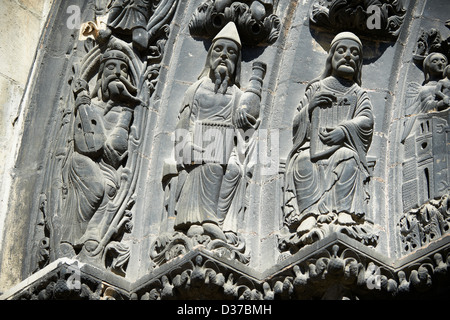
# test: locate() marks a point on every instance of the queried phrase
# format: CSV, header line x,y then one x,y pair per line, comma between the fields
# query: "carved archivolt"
x,y
87,202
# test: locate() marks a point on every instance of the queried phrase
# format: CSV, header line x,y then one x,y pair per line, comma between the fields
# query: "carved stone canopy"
x,y
431,41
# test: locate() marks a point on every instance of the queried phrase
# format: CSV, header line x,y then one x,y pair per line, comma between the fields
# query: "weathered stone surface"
x,y
169,153
21,25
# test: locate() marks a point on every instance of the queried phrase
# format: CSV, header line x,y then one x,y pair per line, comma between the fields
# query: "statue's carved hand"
x,y
112,156
332,136
321,98
188,156
447,101
119,92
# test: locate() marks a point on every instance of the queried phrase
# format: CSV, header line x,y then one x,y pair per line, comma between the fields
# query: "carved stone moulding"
x,y
383,18
255,20
333,268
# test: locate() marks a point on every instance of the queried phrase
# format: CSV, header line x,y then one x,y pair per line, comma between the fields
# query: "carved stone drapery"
x,y
96,164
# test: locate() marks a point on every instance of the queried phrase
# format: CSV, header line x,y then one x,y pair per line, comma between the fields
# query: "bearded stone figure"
x,y
209,189
94,169
327,172
428,97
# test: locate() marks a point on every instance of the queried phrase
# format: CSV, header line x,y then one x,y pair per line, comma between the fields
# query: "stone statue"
x,y
213,102
214,138
327,172
94,169
89,189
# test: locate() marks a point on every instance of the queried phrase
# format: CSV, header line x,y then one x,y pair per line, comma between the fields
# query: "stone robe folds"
x,y
336,182
126,15
209,192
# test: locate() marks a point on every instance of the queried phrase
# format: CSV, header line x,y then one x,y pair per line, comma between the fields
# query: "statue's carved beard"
x,y
221,75
118,89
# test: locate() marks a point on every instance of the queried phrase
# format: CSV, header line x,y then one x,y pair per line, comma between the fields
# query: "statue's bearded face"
x,y
114,70
223,59
115,81
346,59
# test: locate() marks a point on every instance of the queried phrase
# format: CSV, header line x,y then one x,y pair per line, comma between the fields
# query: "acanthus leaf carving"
x,y
89,212
255,20
425,224
357,16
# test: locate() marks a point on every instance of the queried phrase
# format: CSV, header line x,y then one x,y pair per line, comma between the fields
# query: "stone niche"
x,y
220,149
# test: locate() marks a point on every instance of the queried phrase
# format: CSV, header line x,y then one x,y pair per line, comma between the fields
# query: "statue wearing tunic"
x,y
327,171
94,168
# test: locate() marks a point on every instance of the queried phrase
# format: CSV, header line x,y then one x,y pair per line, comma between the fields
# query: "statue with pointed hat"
x,y
212,106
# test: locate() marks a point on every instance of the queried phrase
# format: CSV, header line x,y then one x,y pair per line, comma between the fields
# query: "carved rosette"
x,y
255,20
380,18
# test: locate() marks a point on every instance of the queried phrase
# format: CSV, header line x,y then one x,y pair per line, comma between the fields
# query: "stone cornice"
x,y
336,267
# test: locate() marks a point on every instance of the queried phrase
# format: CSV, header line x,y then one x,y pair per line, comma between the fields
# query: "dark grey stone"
x,y
111,203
